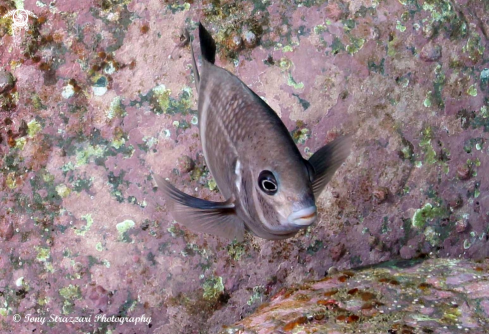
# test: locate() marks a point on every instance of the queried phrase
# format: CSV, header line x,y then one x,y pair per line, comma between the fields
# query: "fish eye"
x,y
267,182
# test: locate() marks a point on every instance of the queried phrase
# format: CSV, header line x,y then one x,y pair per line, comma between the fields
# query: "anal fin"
x,y
217,218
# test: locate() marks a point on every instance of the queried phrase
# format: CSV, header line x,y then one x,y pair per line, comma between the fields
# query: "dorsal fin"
x,y
194,63
207,45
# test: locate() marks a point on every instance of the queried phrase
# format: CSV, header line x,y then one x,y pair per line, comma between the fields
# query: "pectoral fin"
x,y
326,161
217,218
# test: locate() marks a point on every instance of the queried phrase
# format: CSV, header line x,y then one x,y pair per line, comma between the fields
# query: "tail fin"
x,y
207,45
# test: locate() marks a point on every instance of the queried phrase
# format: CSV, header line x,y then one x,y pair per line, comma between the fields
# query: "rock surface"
x,y
435,296
6,81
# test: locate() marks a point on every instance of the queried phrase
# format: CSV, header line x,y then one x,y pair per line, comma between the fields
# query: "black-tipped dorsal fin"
x,y
207,45
217,218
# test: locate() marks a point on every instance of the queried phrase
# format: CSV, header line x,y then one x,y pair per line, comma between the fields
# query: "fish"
x,y
269,189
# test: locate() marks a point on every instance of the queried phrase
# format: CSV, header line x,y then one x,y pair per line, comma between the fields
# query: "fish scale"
x,y
269,188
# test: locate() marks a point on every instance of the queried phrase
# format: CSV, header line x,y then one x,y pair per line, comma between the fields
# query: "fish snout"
x,y
303,217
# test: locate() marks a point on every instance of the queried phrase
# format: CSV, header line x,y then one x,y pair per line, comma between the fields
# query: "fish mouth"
x,y
304,217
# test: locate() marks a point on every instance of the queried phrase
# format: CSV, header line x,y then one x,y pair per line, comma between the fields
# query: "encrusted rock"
x,y
98,296
407,252
454,201
386,299
6,229
430,52
249,39
185,164
337,10
234,42
332,271
337,251
7,81
375,33
381,194
463,172
461,225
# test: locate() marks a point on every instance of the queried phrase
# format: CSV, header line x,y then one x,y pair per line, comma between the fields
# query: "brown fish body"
x,y
269,188
239,128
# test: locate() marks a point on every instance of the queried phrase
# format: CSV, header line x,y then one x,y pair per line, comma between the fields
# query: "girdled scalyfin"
x,y
270,189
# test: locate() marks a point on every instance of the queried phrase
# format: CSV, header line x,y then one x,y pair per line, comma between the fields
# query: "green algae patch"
x,y
484,112
427,101
116,108
337,46
291,82
256,295
212,184
84,229
481,119
19,4
162,96
391,46
118,143
426,214
430,155
149,142
407,153
47,177
472,91
62,190
123,227
400,26
162,103
49,267
213,287
425,144
33,128
285,63
7,22
70,292
11,180
434,98
445,17
99,247
355,45
84,156
236,250
176,7
287,48
43,254
43,301
20,143
474,47
451,315
300,136
319,29
432,236
37,102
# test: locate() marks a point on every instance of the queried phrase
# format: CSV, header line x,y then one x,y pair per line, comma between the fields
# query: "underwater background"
x,y
95,95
